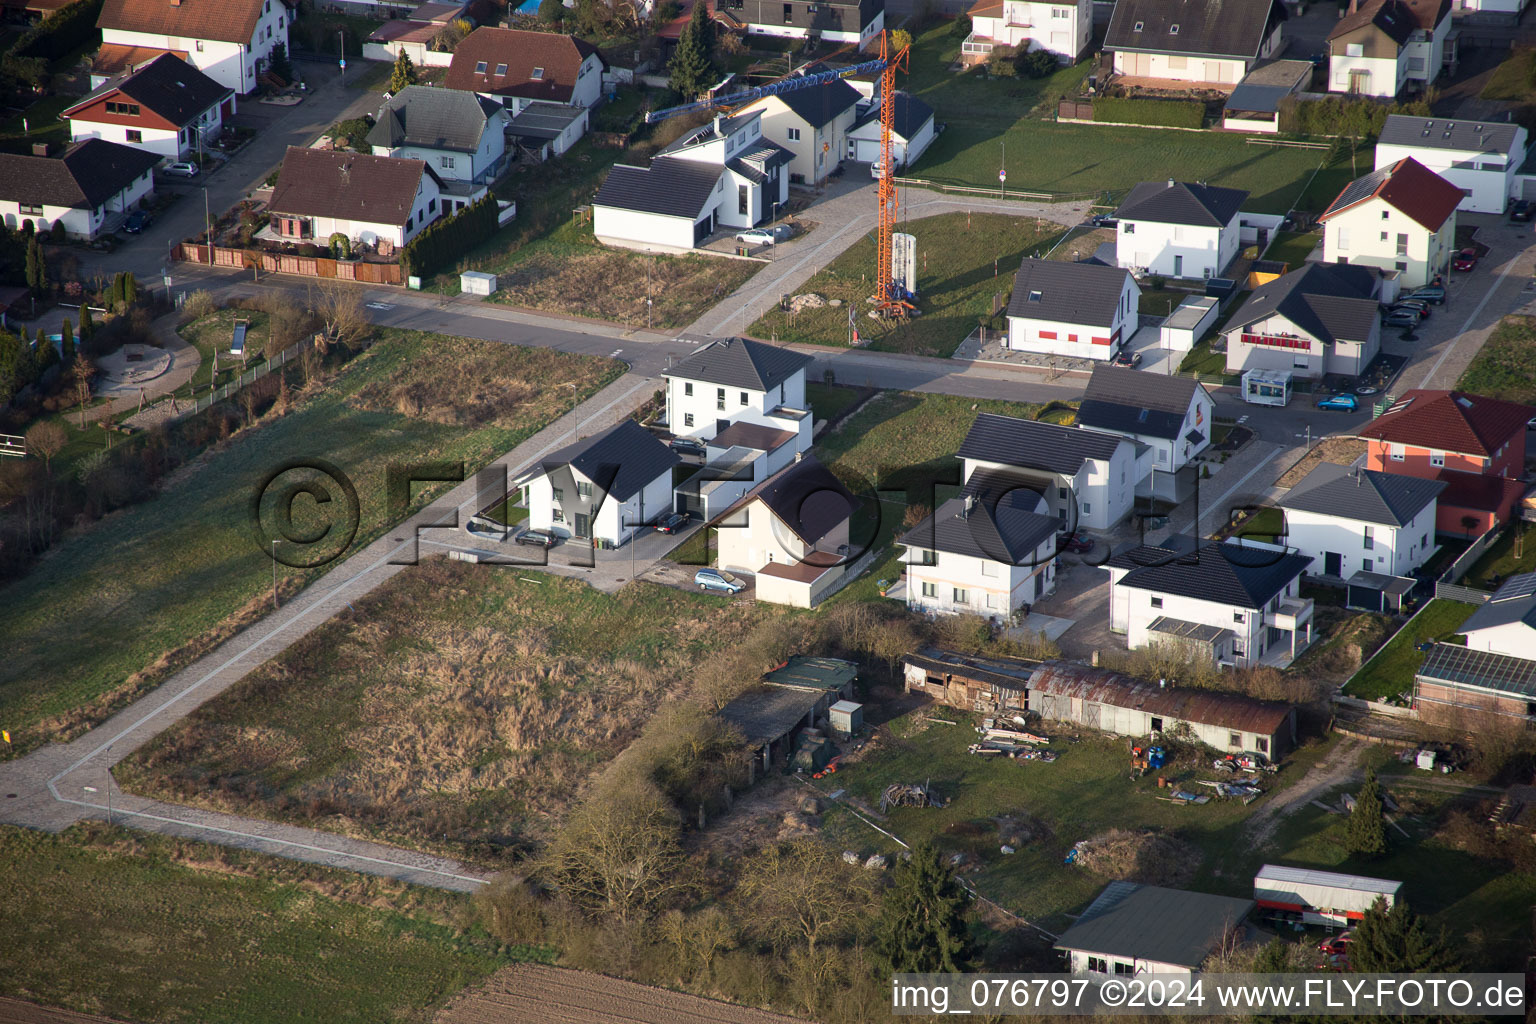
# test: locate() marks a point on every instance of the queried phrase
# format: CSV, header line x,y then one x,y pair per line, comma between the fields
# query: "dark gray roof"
x,y
1514,601
433,118
670,187
1004,529
1002,673
758,436
1453,664
621,460
1128,401
1181,202
728,126
1030,444
1329,301
1183,629
741,363
806,497
755,163
1263,88
908,117
1071,293
767,713
1449,133
1362,494
1242,576
86,176
1148,922
167,86
541,120
819,105
1219,28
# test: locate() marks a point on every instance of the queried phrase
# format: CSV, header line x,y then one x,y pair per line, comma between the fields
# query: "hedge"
x,y
62,32
1359,118
1162,113
447,240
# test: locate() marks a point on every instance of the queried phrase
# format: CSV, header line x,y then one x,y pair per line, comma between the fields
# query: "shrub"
x,y
1360,117
1160,113
66,29
1000,62
309,249
56,234
960,27
1036,64
551,11
449,238
341,247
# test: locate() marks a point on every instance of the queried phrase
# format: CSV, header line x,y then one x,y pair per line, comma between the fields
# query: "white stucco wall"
x,y
1355,236
1394,551
1097,497
234,65
1170,456
642,230
1385,77
1063,28
979,586
1490,178
1053,337
1175,250
695,407
1132,610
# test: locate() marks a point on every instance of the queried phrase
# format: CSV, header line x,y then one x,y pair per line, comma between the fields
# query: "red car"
x,y
1077,544
1336,945
1464,260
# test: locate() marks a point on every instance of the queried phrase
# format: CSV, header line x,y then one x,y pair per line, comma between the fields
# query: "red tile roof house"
x,y
376,201
230,41
162,108
1475,444
519,67
1401,217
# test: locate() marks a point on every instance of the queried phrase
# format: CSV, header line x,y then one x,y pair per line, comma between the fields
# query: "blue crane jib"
x,y
782,85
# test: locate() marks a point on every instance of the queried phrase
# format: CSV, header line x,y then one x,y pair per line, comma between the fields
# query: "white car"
x,y
180,169
764,236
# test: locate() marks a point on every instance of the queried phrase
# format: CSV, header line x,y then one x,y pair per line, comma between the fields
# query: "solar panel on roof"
x,y
1480,668
1523,585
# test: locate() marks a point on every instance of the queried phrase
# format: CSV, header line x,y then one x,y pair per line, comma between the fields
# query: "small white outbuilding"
x,y
477,282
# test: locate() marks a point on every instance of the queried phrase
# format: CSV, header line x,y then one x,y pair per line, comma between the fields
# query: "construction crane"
x,y
890,299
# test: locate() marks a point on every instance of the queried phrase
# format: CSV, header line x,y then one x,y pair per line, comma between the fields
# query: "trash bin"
x,y
742,250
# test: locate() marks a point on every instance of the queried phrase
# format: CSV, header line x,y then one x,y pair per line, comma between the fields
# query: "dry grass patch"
x,y
1341,451
460,708
1149,857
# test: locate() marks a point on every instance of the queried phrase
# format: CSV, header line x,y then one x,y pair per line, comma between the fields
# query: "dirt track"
x,y
1340,767
14,1011
530,994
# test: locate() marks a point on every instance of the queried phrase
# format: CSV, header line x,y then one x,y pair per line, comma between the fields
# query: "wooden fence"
x,y
1075,110
1469,557
286,263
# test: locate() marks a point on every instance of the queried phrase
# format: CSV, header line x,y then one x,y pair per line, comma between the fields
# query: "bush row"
x,y
1357,118
61,32
450,238
1162,113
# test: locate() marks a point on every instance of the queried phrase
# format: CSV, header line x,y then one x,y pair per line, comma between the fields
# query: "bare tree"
x,y
341,310
803,892
45,440
619,852
104,421
699,938
80,374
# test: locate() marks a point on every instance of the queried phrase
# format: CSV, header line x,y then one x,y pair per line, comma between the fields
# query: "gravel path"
x,y
1340,767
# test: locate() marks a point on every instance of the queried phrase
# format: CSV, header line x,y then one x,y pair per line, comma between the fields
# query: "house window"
x,y
1239,649
1385,214
1087,509
1237,616
687,419
1354,49
930,590
789,13
1061,492
1157,602
1173,30
1424,541
688,388
1098,964
961,596
1370,538
35,211
1383,236
743,398
743,199
720,399
1157,725
445,162
583,490
1402,244
409,221
537,76
557,516
133,135
125,109
1138,26
480,67
1299,362
1437,458
199,46
794,134
559,493
1130,229
1234,739
1261,744
1397,452
1061,12
1121,968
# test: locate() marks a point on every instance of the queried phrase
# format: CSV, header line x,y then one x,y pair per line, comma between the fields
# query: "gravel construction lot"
x,y
14,1011
529,994
1342,451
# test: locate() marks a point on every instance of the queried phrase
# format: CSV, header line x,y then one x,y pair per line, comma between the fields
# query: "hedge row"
x,y
1358,118
1162,113
449,239
64,31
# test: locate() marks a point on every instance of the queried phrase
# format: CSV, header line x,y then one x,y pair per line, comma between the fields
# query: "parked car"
x,y
1339,403
1125,357
1335,962
718,579
1104,220
137,221
1401,317
672,523
180,169
537,538
1431,293
686,446
764,236
1464,260
1076,543
1520,209
1337,943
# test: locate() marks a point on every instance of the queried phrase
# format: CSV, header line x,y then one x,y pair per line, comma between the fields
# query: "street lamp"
x,y
341,48
274,574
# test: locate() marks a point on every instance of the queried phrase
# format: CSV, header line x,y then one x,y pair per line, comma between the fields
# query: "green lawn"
x,y
829,400
1500,559
1390,672
96,621
1161,301
116,923
1264,525
1292,247
962,264
1201,359
1514,79
42,124
1504,365
989,121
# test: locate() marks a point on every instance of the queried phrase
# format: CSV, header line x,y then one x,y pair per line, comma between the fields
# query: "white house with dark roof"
x,y
792,533
162,107
990,551
1358,520
1379,46
1170,415
1135,929
1506,624
602,489
1247,595
1083,310
739,380
1482,158
1401,217
460,135
723,174
812,125
832,21
1209,42
1061,29
912,131
230,41
1178,229
81,189
1088,479
736,459
1494,675
374,200
1323,318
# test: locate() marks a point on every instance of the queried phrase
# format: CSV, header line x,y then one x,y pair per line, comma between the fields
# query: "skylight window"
x,y
538,74
501,69
1173,30
1138,26
1035,296
480,68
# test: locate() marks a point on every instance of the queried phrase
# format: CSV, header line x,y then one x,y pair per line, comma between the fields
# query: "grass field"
x,y
1292,247
1514,79
962,263
1390,672
1500,559
42,124
1201,359
143,928
829,400
459,709
1503,366
569,272
97,621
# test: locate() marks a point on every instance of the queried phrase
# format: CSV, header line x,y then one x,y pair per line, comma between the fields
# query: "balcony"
x,y
1294,614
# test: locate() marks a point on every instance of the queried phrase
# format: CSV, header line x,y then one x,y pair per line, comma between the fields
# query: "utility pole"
x,y
208,220
274,574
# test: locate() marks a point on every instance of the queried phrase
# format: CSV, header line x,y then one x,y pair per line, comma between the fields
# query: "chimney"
x,y
799,456
1170,183
719,120
41,148
970,503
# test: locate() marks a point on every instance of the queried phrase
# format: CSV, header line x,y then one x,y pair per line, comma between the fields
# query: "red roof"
x,y
1450,421
230,21
1476,492
511,62
1407,186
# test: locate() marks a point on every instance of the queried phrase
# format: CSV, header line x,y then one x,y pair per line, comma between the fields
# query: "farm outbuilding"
x,y
797,695
1147,929
1320,897
964,681
1125,706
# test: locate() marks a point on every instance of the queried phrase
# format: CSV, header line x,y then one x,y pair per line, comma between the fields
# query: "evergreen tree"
x,y
404,73
701,17
551,12
67,346
1366,836
690,73
279,64
922,925
115,292
1397,941
37,267
130,288
87,325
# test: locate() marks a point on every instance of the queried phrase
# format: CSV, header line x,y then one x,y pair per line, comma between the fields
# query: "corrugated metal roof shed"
x,y
1148,922
809,673
1306,876
1002,673
1204,707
